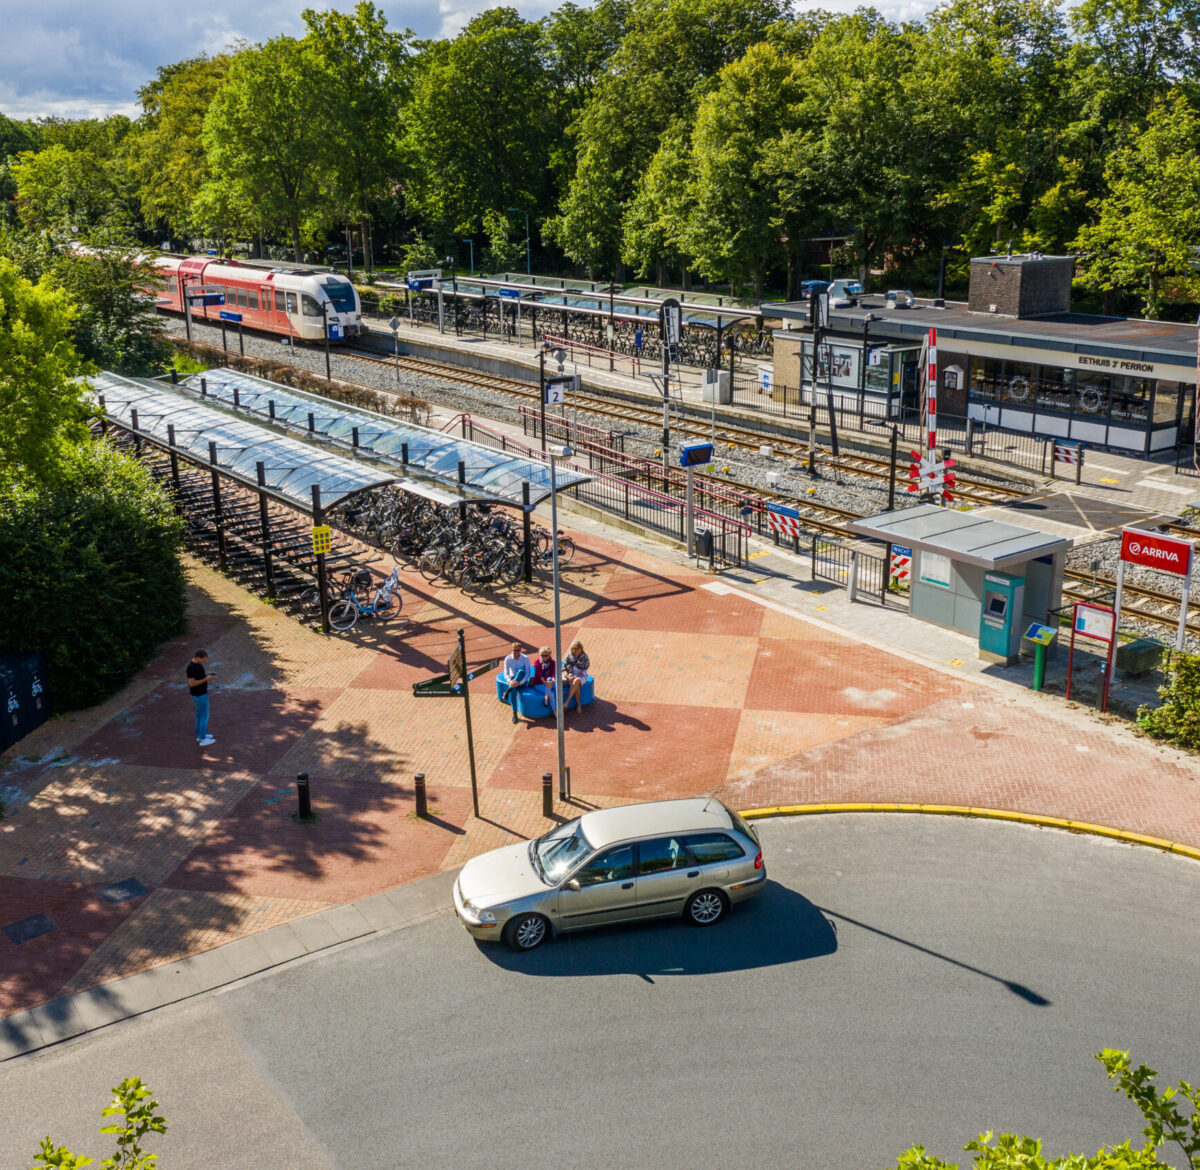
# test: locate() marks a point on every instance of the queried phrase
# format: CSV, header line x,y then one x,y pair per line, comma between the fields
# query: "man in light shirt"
x,y
518,670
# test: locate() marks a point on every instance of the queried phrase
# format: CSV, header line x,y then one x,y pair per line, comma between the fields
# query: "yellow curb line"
x,y
995,814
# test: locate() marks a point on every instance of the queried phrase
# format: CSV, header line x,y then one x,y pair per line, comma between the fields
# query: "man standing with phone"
x,y
198,679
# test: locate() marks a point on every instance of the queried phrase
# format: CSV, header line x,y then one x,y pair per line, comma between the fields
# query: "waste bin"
x,y
704,543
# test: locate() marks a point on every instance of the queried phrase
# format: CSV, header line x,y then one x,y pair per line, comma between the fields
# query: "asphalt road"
x,y
901,980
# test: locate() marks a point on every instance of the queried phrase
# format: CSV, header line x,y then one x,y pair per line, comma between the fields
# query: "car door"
x,y
606,891
718,855
667,875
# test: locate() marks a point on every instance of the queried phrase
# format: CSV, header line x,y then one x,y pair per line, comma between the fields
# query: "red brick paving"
x,y
695,692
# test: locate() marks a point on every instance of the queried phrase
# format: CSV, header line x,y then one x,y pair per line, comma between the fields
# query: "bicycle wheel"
x,y
343,614
309,603
430,565
566,550
512,569
385,606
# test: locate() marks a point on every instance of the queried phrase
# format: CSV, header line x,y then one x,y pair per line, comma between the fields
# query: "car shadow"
x,y
778,926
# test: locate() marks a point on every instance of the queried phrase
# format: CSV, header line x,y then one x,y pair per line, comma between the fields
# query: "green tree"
x,y
71,189
669,57
166,150
503,253
478,123
1147,225
40,398
658,219
99,529
364,78
264,137
1165,1123
736,226
138,1110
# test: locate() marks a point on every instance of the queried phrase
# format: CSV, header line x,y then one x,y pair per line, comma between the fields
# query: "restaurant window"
x,y
1091,394
1166,402
986,379
1018,383
1129,398
1054,387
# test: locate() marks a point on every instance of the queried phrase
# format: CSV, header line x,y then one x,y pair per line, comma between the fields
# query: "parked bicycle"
x,y
385,603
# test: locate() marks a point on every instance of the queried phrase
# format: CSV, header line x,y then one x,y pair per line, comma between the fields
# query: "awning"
x,y
962,536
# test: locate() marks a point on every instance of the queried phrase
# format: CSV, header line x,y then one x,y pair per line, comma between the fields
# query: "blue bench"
x,y
531,701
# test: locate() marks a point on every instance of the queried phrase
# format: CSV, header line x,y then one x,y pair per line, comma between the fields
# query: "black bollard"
x,y
547,794
422,801
305,812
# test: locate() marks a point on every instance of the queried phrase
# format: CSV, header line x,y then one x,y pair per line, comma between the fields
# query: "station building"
x,y
1013,356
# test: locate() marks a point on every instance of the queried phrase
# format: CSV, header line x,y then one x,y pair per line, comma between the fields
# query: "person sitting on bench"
x,y
518,671
575,670
545,674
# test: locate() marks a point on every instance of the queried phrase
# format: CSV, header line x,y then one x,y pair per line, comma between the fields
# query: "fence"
x,y
603,354
630,500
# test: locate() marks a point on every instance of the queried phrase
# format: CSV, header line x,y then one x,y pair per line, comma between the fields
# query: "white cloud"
x,y
75,59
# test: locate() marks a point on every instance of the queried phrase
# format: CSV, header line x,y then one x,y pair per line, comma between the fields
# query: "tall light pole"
x,y
564,777
862,369
528,268
470,242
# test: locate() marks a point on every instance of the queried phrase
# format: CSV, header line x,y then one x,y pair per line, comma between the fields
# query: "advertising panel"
x,y
1156,551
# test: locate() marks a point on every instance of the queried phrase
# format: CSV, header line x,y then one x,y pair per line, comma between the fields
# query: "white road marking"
x,y
1167,487
1103,467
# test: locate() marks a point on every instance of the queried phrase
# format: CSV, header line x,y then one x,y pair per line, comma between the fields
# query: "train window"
x,y
243,300
253,298
291,303
311,308
340,292
280,303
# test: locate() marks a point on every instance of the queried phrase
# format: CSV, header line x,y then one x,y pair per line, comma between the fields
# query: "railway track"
x,y
1151,605
874,467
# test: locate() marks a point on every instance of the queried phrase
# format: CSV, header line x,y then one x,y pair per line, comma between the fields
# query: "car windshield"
x,y
341,293
560,850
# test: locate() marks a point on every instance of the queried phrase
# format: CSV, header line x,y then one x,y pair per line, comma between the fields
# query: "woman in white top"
x,y
575,669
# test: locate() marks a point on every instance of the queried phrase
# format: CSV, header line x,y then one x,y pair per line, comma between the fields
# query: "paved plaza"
x,y
142,849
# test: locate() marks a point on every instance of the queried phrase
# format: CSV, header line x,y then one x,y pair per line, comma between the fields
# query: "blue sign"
x,y
898,550
206,298
637,337
418,285
508,292
226,315
695,455
1040,635
335,331
783,510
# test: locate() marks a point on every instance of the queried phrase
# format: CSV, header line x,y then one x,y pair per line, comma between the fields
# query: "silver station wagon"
x,y
691,857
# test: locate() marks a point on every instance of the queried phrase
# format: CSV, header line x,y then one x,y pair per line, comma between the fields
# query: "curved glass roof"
x,y
491,475
291,467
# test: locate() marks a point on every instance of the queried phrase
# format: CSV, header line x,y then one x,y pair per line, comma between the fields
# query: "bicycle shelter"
x,y
297,469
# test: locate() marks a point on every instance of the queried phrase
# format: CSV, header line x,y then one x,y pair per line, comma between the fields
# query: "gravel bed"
x,y
738,467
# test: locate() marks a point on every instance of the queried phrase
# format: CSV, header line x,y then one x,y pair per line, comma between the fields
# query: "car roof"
x,y
604,826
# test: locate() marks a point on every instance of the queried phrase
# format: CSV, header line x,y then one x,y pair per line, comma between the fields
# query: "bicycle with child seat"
x,y
384,605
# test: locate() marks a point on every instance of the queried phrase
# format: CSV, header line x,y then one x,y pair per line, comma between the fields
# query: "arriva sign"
x,y
1156,552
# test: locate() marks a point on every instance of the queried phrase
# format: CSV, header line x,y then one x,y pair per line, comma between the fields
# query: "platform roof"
x,y
961,536
291,467
491,476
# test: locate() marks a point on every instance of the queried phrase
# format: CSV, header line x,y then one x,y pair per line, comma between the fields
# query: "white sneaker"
x,y
206,741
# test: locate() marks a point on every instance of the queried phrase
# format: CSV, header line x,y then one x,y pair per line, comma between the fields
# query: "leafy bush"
x,y
1177,717
89,571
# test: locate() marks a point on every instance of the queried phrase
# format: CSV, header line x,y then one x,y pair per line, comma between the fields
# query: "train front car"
x,y
325,300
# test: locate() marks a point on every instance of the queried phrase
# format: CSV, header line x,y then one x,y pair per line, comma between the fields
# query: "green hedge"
x,y
89,572
1177,718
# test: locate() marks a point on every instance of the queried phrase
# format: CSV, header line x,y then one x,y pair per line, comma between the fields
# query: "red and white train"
x,y
291,302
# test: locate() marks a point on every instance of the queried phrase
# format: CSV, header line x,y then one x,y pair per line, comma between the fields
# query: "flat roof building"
x,y
1012,356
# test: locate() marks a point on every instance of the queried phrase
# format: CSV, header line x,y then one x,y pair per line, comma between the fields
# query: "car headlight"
x,y
478,912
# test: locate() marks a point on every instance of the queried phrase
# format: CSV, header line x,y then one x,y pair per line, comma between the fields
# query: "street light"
x,y
470,242
887,559
564,777
528,268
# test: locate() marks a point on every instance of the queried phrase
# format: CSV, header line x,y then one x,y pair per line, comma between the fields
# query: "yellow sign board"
x,y
322,542
1040,635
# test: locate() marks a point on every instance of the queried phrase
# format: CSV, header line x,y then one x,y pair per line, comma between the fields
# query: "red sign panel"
x,y
1157,552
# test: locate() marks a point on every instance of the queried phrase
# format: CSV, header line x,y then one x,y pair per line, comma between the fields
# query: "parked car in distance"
x,y
900,298
810,287
693,858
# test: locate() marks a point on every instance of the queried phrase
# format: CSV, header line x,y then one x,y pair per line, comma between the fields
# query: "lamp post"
x,y
887,560
862,370
470,242
528,267
325,324
564,777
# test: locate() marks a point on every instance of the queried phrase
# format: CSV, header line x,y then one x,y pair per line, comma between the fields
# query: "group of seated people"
x,y
520,672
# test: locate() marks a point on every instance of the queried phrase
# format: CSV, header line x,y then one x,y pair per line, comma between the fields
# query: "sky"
x,y
84,58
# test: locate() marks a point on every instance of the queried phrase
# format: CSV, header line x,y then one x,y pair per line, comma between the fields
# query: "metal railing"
x,y
631,501
612,356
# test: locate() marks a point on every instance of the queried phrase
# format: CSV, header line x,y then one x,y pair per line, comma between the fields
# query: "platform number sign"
x,y
335,331
322,541
556,390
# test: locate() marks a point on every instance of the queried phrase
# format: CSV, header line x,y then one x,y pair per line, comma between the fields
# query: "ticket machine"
x,y
1000,617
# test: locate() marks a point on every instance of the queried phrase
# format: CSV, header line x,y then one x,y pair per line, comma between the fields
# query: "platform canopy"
x,y
961,536
489,475
291,467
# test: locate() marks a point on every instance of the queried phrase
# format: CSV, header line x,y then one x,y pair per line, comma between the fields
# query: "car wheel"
x,y
527,931
704,908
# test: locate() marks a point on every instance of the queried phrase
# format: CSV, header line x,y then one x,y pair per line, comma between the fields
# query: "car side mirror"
x,y
573,884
